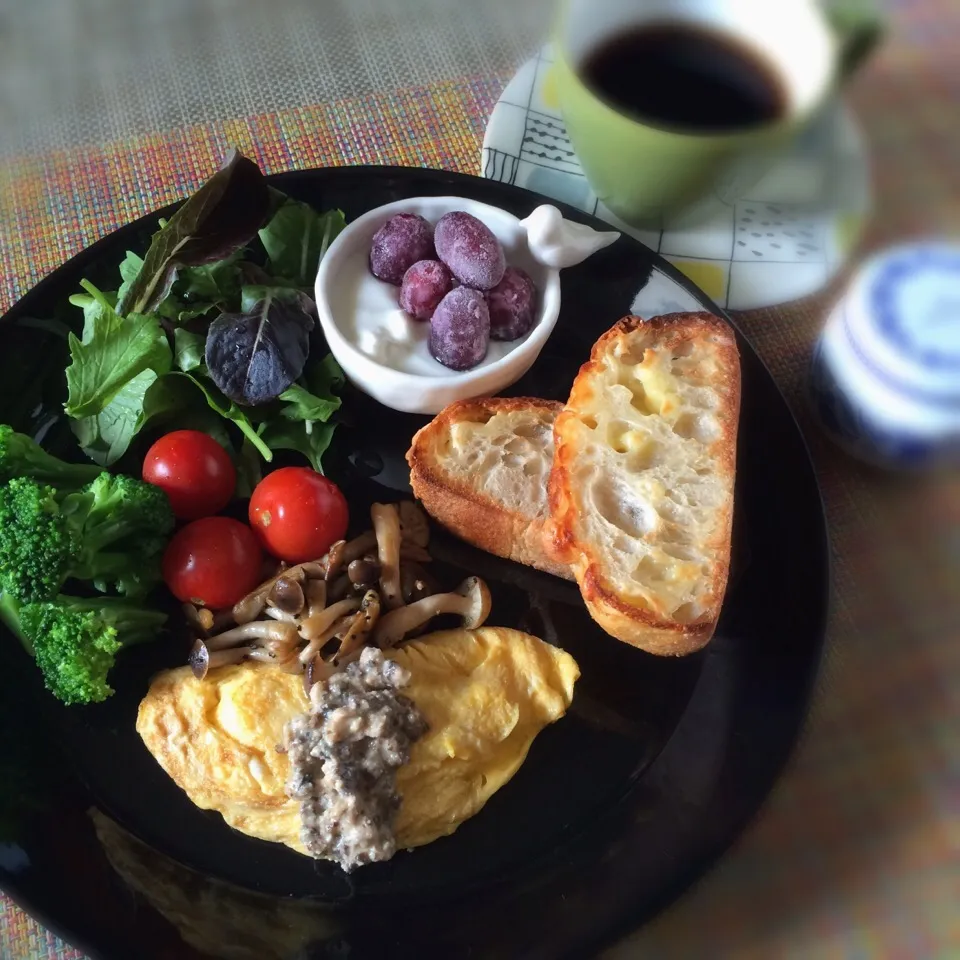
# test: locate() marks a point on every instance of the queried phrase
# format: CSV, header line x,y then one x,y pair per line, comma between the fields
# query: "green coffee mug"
x,y
643,172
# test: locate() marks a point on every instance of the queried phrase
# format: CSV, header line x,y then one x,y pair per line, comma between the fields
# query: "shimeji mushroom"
x,y
415,582
202,659
317,669
333,634
359,546
364,572
361,625
339,588
315,592
333,560
412,551
386,526
470,601
316,630
413,524
286,599
251,606
263,631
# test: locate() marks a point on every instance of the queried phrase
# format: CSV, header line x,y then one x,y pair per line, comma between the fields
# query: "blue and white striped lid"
x,y
902,319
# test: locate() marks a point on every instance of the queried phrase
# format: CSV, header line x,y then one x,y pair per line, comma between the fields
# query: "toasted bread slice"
x,y
480,469
641,491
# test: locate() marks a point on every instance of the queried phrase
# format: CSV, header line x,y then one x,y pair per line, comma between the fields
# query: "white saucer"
x,y
787,239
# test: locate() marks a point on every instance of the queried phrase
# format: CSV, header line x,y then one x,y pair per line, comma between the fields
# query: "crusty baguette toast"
x,y
641,490
480,469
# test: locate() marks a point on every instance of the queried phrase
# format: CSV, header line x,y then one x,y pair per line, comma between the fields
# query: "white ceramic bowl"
x,y
345,289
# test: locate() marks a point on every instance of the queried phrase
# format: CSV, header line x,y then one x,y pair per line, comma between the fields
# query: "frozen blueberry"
x,y
513,305
424,285
460,329
470,249
398,245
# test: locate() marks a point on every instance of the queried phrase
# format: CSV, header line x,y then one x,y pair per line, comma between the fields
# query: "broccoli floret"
x,y
110,533
125,525
37,545
76,641
20,456
10,615
120,506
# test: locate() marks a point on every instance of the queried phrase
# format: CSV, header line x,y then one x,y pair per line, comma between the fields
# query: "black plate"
x,y
620,805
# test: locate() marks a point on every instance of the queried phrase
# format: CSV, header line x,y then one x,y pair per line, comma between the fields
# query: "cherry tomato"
x,y
298,514
213,562
194,471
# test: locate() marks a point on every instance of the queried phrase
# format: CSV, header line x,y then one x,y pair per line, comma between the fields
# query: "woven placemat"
x,y
855,854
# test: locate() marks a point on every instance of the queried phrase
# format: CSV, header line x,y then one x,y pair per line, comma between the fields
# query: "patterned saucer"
x,y
787,239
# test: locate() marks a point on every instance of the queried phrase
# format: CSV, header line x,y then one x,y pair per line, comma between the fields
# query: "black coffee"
x,y
686,78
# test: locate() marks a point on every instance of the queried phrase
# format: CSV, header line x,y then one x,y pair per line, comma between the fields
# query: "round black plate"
x,y
620,805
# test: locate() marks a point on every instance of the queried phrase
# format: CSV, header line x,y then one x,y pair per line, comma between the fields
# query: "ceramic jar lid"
x,y
902,318
885,377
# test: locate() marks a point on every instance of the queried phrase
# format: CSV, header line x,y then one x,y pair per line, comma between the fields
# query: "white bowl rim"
x,y
533,344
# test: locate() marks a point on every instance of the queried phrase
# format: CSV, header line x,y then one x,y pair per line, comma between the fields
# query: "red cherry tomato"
x,y
213,562
298,514
194,471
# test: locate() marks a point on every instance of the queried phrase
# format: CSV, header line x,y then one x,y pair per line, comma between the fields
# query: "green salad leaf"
x,y
130,268
175,401
106,436
313,398
196,292
93,308
254,355
222,217
114,350
188,349
231,411
311,439
216,284
212,329
299,404
297,237
252,294
304,421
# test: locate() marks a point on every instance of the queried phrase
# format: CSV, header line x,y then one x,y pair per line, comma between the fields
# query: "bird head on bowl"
x,y
461,308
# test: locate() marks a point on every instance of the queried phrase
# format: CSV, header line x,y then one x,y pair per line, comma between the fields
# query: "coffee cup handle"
x,y
860,27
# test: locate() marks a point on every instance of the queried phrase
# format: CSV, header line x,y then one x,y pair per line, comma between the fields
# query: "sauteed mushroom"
x,y
287,596
202,659
262,630
363,622
315,617
315,592
252,604
386,525
413,524
313,627
359,546
415,582
470,601
334,560
340,588
318,669
364,572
